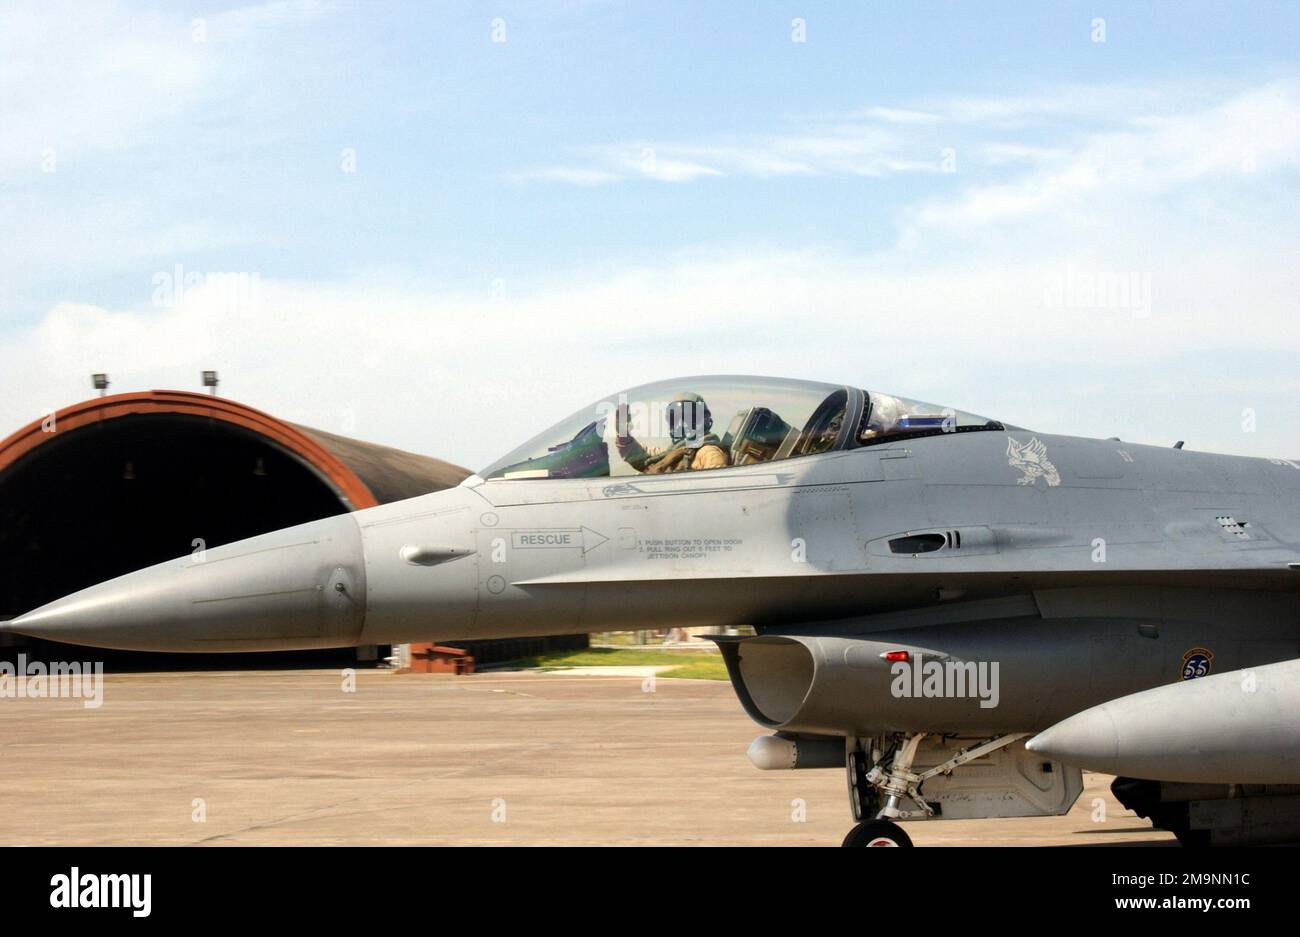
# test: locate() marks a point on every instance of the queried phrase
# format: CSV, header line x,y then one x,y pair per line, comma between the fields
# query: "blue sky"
x,y
458,240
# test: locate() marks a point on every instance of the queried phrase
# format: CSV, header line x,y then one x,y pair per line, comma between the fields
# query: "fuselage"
x,y
924,521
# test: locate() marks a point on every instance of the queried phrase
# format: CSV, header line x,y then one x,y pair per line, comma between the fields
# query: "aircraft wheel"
x,y
877,833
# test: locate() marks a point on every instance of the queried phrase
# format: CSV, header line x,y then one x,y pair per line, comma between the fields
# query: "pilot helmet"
x,y
688,417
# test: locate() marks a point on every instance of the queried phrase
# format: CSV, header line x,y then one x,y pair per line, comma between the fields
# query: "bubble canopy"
x,y
714,422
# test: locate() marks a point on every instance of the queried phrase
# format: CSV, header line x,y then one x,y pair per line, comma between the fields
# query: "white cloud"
x,y
1256,132
78,78
652,164
83,77
467,376
1152,134
857,148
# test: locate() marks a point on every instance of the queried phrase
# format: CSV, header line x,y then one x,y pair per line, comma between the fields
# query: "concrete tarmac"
x,y
306,757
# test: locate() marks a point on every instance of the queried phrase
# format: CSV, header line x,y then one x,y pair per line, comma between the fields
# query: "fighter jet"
x,y
959,613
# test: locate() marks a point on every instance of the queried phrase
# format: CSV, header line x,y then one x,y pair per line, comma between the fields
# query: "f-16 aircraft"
x,y
959,613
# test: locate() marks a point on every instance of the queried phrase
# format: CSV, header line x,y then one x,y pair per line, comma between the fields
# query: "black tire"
x,y
877,833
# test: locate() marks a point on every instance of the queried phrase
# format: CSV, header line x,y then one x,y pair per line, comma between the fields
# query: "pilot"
x,y
694,447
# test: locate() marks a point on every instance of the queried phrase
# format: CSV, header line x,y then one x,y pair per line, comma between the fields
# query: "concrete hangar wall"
x,y
118,483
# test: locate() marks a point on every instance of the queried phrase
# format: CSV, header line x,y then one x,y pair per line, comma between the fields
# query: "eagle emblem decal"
x,y
1031,458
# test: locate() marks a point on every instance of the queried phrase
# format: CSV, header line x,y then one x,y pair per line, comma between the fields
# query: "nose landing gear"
x,y
893,779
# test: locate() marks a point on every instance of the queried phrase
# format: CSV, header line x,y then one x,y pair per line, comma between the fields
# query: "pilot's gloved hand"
x,y
632,452
668,462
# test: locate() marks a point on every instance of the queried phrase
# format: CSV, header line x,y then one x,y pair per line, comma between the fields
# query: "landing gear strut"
x,y
883,785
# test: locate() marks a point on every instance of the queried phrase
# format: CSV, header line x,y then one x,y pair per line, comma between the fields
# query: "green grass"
x,y
705,667
695,665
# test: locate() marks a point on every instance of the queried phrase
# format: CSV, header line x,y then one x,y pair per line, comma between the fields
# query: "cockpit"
x,y
708,423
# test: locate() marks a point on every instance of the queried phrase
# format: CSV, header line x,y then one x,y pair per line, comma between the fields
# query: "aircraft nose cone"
x,y
301,587
1089,738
